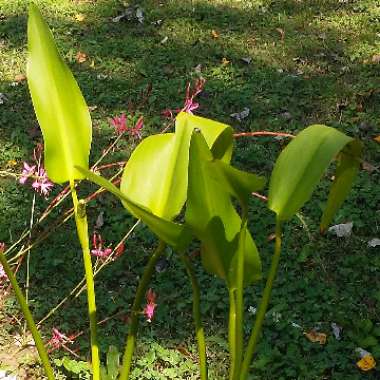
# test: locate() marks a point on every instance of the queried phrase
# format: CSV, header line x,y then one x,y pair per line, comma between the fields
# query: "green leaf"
x,y
238,183
369,341
155,176
300,167
58,102
113,362
213,219
347,169
174,234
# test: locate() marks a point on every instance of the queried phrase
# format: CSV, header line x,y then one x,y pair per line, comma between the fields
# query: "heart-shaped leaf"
x,y
58,102
156,173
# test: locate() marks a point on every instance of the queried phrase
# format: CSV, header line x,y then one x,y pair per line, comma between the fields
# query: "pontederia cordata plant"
x,y
182,186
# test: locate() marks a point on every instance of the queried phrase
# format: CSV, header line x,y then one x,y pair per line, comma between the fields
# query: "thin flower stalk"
x,y
135,312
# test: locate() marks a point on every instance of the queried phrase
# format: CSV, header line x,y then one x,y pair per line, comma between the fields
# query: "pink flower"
x,y
151,305
189,105
42,183
3,275
27,172
119,123
135,131
98,249
167,113
58,339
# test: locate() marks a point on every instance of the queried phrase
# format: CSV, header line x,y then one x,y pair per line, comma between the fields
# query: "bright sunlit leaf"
x,y
301,165
58,102
156,173
214,220
174,234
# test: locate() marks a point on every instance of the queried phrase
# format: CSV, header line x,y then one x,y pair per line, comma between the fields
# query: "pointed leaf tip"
x,y
60,108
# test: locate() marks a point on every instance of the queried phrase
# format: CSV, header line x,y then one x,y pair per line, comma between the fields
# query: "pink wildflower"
x,y
189,105
135,131
119,123
3,275
27,172
167,113
150,305
42,183
58,339
98,249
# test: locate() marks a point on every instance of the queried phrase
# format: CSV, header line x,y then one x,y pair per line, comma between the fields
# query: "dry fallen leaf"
x,y
374,242
281,32
377,139
214,34
225,61
81,57
336,329
20,78
342,230
11,163
366,363
316,337
3,98
368,167
239,116
100,221
79,17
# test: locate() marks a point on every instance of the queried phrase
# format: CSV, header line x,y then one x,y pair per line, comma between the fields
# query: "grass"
x,y
311,62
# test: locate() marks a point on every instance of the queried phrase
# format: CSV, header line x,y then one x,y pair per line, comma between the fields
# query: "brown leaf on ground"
x,y
377,139
81,57
20,78
79,17
316,337
225,61
214,34
376,58
281,32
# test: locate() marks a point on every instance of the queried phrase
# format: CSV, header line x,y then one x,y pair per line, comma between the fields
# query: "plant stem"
x,y
232,331
240,297
29,318
141,290
197,317
82,230
31,222
252,343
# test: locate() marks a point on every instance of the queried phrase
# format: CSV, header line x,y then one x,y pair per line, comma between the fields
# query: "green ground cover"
x,y
292,63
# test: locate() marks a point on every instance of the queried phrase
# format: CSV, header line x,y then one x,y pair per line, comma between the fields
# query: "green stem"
x,y
240,298
197,317
82,230
263,306
29,318
232,331
140,293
